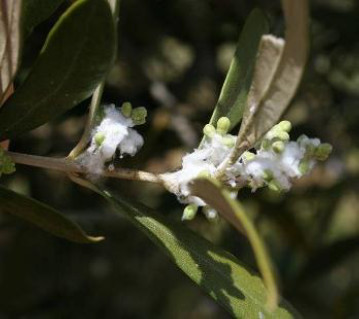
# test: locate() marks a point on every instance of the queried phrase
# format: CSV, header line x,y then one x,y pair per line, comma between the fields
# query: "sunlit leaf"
x,y
36,11
216,271
220,199
236,86
42,216
75,58
268,58
265,109
9,42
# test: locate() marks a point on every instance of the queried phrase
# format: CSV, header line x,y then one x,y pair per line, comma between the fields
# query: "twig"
x,y
71,167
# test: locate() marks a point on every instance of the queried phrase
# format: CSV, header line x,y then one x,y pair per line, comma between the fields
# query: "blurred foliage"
x,y
173,56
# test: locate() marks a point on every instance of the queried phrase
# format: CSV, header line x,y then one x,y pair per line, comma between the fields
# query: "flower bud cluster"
x,y
274,163
203,162
277,160
114,134
7,166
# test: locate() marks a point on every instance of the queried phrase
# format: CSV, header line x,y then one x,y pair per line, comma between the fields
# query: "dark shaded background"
x,y
172,58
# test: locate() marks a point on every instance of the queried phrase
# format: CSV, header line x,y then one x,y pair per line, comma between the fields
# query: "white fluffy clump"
x,y
275,162
113,133
202,161
277,170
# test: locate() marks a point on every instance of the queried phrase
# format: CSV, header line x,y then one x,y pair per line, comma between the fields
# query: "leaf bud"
x,y
248,156
209,130
283,136
228,141
285,126
223,125
126,109
190,212
139,115
99,138
304,167
278,147
204,174
323,151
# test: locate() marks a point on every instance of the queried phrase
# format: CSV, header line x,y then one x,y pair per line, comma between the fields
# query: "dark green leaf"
x,y
43,216
76,56
36,11
216,271
9,43
219,198
239,77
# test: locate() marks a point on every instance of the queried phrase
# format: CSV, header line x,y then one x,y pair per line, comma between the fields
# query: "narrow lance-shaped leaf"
x,y
268,58
264,110
9,43
42,216
219,199
236,86
35,12
216,271
75,58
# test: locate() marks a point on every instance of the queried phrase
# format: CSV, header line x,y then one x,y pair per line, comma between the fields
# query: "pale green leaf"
x,y
266,108
268,58
219,273
76,56
9,42
42,216
236,86
219,199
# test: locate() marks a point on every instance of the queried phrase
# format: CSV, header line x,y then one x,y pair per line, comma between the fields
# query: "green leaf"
x,y
35,12
268,58
9,43
216,271
239,76
219,199
43,216
270,105
75,58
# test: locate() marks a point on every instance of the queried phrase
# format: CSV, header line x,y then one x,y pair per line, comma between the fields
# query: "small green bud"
x,y
274,186
278,147
248,156
209,130
310,150
285,126
304,167
229,141
267,175
139,115
223,125
265,144
99,138
126,109
204,174
283,136
323,151
189,212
